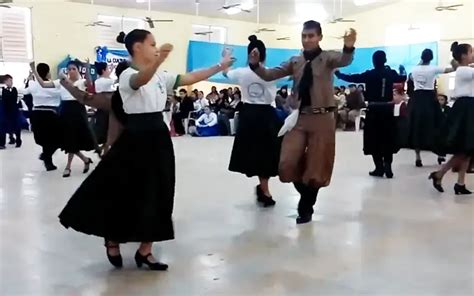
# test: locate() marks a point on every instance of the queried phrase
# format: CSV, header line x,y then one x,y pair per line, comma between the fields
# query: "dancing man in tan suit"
x,y
307,156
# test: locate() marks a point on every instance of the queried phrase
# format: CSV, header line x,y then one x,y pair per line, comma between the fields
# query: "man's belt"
x,y
321,110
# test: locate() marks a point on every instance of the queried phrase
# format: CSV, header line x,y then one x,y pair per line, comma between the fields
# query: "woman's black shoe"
x,y
87,166
377,173
418,163
114,260
302,219
18,143
461,190
265,201
436,182
140,260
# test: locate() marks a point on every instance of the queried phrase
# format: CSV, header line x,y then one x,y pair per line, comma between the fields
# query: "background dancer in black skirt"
x,y
256,150
107,101
129,197
380,131
459,133
102,84
77,133
45,122
425,115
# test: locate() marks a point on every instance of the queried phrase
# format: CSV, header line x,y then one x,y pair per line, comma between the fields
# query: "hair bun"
x,y
253,38
121,37
454,45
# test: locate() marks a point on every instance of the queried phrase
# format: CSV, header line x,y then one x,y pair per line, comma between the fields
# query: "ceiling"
x,y
271,11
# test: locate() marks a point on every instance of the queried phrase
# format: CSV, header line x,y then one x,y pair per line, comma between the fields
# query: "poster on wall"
x,y
62,67
103,54
111,56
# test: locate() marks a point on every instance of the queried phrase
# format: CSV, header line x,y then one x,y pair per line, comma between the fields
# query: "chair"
x,y
358,119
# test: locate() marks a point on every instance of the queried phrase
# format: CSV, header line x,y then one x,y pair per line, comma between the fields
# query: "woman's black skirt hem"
x,y
458,132
129,197
425,120
46,127
256,150
77,132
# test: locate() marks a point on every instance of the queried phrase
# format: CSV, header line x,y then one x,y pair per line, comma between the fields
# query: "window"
x,y
209,33
15,35
403,34
107,35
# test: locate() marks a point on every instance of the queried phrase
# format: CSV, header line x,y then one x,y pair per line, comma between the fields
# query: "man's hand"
x,y
350,38
33,65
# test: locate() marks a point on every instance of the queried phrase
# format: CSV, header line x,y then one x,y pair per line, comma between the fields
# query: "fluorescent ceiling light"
x,y
364,2
310,11
141,1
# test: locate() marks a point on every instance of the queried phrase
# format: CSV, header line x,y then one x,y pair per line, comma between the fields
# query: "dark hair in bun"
x,y
255,43
459,50
135,36
427,56
121,38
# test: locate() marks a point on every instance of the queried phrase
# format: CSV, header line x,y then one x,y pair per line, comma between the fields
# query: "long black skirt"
x,y
101,125
425,120
46,127
380,130
458,132
129,196
256,150
77,133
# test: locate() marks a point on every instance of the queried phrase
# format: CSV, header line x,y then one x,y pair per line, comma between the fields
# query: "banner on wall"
x,y
62,67
205,54
111,56
103,54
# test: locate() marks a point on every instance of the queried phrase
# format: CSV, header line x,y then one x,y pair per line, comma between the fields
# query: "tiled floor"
x,y
370,237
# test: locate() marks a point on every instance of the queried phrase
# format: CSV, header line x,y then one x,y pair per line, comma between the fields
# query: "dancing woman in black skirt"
x,y
425,116
459,133
129,197
256,150
45,121
77,134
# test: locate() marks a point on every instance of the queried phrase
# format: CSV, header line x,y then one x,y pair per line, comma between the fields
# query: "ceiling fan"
x,y
237,6
205,33
96,24
3,3
283,38
151,22
264,30
339,19
452,7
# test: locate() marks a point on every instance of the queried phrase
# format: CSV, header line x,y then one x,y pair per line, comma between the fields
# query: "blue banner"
x,y
205,54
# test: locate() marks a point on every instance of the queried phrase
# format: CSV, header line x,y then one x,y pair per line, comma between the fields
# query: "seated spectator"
x,y
361,89
281,103
351,110
213,95
185,107
201,102
206,124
